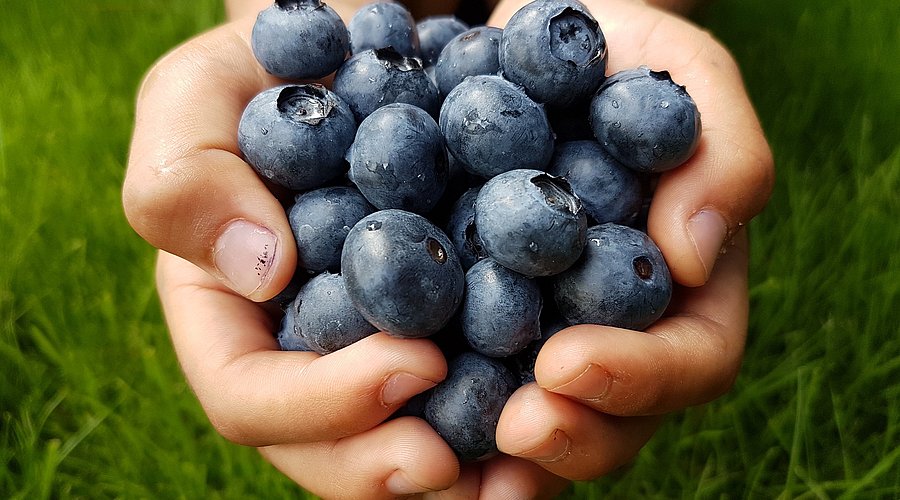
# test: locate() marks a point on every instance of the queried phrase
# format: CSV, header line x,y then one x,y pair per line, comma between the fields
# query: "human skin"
x,y
600,393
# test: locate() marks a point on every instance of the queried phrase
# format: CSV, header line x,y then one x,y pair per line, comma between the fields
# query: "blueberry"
x,y
462,231
645,120
464,409
556,50
320,220
398,159
492,126
531,222
289,339
286,296
414,407
325,317
296,135
621,280
379,77
500,314
299,39
473,52
402,273
610,191
384,24
522,364
434,33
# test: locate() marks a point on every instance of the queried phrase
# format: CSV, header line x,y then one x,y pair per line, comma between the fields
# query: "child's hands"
x,y
599,389
318,419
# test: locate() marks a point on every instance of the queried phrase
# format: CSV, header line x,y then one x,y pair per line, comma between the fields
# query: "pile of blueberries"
x,y
481,187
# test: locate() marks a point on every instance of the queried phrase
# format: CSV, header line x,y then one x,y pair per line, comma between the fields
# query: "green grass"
x,y
93,404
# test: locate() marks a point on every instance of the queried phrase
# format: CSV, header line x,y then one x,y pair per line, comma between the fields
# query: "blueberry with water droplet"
x,y
621,280
320,221
384,24
407,145
309,129
402,273
464,409
492,126
609,191
473,52
555,50
378,77
299,39
325,317
645,120
500,314
531,222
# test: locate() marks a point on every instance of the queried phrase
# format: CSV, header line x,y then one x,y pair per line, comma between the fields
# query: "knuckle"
x,y
725,361
233,429
152,202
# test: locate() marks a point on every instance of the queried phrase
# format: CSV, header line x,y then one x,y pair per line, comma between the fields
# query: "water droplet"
x,y
664,104
533,246
374,225
617,124
615,104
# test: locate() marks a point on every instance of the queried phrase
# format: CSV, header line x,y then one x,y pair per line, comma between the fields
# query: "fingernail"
x,y
399,484
554,449
592,384
708,230
402,386
244,254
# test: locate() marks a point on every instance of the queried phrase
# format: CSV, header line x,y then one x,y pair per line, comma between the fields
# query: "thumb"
x,y
700,205
187,191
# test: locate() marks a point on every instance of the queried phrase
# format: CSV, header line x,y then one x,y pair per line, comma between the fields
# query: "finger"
x,y
569,439
507,477
400,457
502,477
699,205
690,356
257,395
187,191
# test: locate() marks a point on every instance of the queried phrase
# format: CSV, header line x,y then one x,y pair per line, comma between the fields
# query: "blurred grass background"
x,y
93,404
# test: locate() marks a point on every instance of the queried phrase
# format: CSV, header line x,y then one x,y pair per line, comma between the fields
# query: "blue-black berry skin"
x,y
289,339
296,135
531,222
324,316
610,191
621,280
398,159
464,409
500,314
434,34
645,120
299,39
462,231
492,126
522,364
384,24
402,273
471,53
320,220
556,50
378,77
